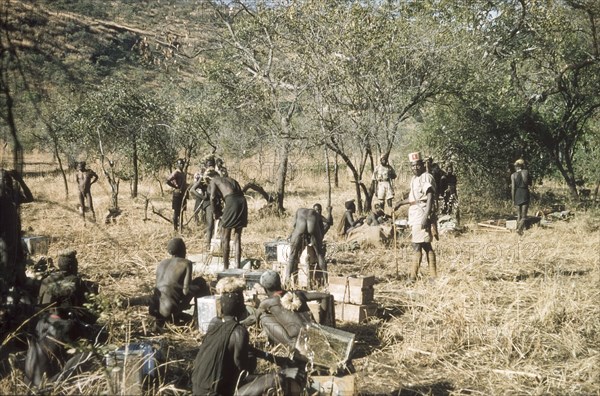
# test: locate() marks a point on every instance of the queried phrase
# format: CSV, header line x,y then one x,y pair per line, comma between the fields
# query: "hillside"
x,y
79,42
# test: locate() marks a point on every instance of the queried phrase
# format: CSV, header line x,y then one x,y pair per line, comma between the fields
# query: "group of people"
x,y
226,361
219,199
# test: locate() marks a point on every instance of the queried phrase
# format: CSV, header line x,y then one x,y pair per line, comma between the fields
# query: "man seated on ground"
x,y
377,216
47,356
65,288
348,223
62,294
174,287
310,227
284,313
226,360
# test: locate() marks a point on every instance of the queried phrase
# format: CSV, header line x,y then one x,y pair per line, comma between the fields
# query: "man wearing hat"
x,y
384,175
421,200
177,180
520,182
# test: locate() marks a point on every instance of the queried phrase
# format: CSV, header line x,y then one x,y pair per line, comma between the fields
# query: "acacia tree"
x,y
369,67
534,74
128,123
255,66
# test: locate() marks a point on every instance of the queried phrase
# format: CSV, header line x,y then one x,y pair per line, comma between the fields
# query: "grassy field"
x,y
508,314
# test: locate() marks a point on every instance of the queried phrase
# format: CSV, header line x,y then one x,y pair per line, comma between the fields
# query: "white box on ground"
x,y
208,308
283,252
36,245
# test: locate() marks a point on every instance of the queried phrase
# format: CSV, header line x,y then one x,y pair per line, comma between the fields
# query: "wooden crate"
x,y
354,312
352,289
329,385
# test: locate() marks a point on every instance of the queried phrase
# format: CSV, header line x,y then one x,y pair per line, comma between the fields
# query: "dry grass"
x,y
508,314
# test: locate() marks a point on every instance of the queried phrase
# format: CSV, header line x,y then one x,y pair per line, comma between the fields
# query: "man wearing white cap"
x,y
421,201
384,174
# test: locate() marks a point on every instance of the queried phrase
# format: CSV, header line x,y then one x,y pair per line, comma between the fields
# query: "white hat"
x,y
415,157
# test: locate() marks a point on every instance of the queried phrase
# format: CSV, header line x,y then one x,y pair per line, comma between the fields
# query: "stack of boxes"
x,y
353,297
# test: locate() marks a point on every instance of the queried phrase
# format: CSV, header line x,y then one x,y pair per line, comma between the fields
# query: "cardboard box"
x,y
36,245
329,347
283,251
353,312
352,289
215,247
332,386
208,307
511,224
272,249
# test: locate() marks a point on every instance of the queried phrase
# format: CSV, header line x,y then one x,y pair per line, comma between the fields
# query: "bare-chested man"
x,y
310,227
177,180
174,286
85,179
200,191
284,313
234,215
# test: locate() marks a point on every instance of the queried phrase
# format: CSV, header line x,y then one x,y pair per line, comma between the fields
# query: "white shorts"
x,y
384,190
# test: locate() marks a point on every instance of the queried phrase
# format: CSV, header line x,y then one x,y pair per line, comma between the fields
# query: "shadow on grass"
x,y
535,274
443,388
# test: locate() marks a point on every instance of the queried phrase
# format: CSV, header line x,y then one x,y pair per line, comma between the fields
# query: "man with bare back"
x,y
310,227
233,216
85,178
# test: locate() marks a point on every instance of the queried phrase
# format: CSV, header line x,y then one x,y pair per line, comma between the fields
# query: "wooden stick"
x,y
494,227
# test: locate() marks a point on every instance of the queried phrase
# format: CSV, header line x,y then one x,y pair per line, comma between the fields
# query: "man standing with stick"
x,y
421,200
177,180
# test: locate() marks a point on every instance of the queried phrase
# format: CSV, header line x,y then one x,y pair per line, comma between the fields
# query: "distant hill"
x,y
78,42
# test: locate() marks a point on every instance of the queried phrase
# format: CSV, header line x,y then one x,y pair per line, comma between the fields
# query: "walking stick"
x,y
323,278
395,239
328,178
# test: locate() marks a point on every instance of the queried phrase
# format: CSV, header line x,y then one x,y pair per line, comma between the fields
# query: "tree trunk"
x,y
60,165
134,187
281,176
355,174
336,176
12,126
569,175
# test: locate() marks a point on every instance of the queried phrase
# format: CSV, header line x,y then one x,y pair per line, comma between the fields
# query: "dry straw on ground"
x,y
507,315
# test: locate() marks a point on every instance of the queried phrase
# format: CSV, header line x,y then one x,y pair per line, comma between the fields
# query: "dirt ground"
x,y
508,314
